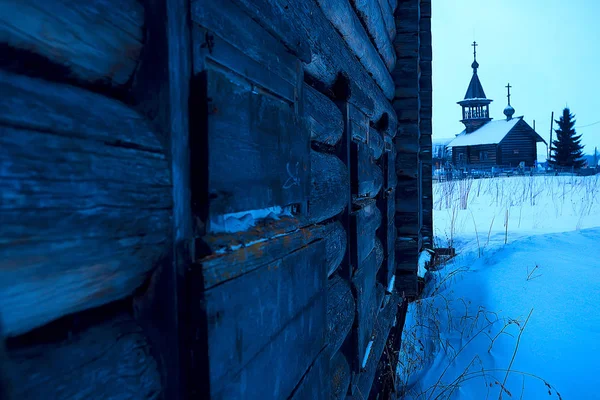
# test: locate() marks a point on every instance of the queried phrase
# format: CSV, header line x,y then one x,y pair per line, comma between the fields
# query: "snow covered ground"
x,y
514,315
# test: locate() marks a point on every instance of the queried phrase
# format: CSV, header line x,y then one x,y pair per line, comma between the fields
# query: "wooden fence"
x,y
211,199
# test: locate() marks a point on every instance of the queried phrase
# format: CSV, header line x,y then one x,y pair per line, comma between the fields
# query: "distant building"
x,y
486,143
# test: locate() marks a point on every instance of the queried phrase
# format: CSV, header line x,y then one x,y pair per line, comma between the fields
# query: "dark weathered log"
x,y
316,383
328,190
340,376
388,18
372,18
86,201
369,294
375,143
295,39
367,219
5,368
406,284
111,360
325,118
407,165
274,315
242,45
340,312
336,241
368,177
239,253
343,18
330,55
382,326
96,41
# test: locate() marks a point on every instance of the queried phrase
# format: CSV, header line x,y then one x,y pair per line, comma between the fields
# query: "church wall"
x,y
519,145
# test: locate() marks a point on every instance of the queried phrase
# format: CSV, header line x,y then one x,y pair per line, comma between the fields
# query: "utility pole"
x,y
550,143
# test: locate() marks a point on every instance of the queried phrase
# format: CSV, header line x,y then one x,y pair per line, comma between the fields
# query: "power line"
x,y
585,126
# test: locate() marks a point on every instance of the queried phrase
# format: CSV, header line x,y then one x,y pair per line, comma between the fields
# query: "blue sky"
x,y
549,51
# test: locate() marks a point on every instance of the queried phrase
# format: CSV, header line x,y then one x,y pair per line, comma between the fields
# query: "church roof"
x,y
475,90
491,133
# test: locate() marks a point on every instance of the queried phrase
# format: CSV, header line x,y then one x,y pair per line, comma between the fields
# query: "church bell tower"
x,y
475,106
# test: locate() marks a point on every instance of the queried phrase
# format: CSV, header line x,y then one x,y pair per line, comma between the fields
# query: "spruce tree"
x,y
567,150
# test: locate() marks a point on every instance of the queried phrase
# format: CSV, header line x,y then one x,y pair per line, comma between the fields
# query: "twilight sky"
x,y
549,51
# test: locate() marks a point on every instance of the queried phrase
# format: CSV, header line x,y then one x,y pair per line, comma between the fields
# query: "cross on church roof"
x,y
508,87
474,50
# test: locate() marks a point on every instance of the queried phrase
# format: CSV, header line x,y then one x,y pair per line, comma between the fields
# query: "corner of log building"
x,y
211,199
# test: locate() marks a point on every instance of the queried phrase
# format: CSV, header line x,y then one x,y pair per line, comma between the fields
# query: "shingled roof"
x,y
475,90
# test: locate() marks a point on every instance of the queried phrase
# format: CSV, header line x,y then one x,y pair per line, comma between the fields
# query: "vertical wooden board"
x,y
259,148
367,178
340,377
363,382
247,313
340,312
281,364
391,179
316,384
367,299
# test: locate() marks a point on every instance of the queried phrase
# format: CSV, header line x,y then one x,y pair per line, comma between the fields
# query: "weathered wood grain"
x,y
366,220
240,253
264,137
340,312
274,315
388,18
385,319
369,294
294,38
369,12
328,189
96,41
86,201
228,29
316,383
325,118
340,376
330,55
376,143
367,176
110,360
345,21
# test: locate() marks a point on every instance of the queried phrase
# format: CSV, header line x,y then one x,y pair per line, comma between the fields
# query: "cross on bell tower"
x,y
509,111
476,111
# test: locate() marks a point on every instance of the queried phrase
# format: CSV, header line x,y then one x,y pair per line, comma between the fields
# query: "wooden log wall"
x,y
91,206
210,199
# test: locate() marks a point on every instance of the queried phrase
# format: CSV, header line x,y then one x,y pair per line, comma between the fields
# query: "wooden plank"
x,y
370,14
385,319
293,38
369,294
266,141
232,39
325,118
316,383
70,34
340,377
240,253
342,17
340,312
102,195
253,318
330,55
328,189
110,359
406,284
388,18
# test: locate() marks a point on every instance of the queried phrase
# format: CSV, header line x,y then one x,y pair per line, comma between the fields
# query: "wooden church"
x,y
486,143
